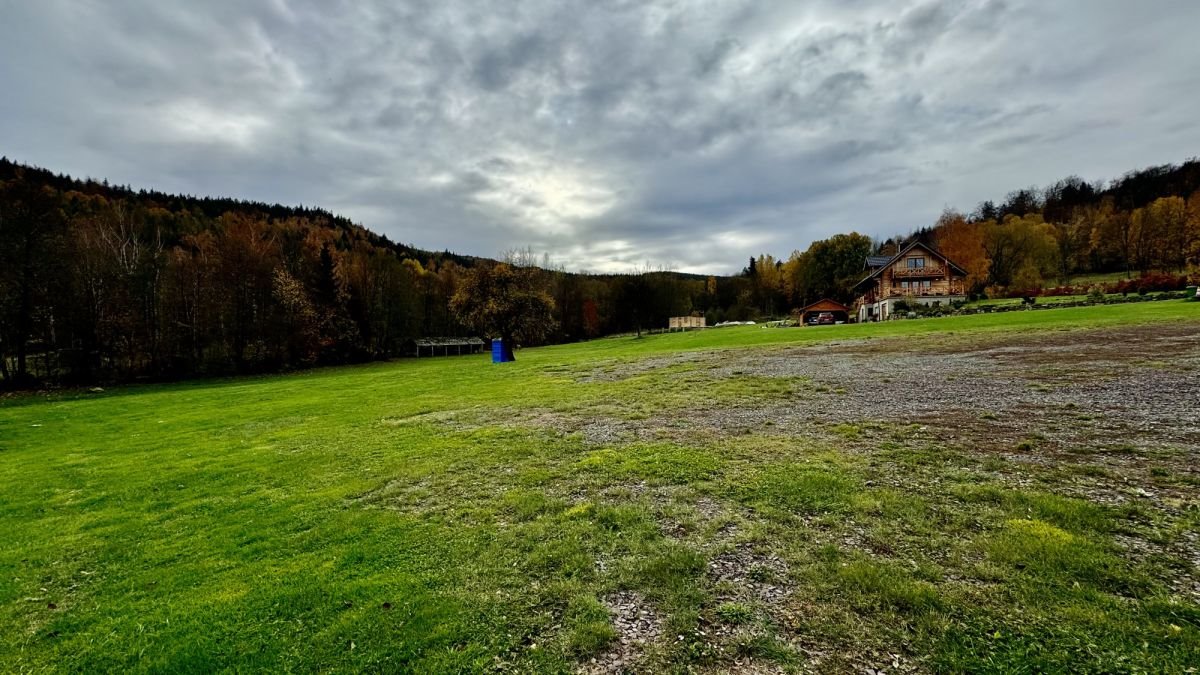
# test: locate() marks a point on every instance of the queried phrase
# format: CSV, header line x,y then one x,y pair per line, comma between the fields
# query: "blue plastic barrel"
x,y
502,353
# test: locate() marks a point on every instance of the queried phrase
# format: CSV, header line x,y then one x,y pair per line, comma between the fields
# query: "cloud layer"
x,y
608,133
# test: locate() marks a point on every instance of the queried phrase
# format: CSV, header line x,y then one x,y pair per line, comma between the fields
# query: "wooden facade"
x,y
918,274
685,322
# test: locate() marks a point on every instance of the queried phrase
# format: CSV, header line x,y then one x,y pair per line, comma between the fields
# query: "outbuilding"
x,y
839,311
685,322
444,346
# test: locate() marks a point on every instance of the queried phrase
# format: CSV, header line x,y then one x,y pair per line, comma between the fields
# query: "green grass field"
x,y
1098,278
448,515
1042,300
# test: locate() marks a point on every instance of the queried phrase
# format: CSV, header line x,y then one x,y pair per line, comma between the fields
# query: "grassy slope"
x,y
1097,278
750,336
332,519
1042,300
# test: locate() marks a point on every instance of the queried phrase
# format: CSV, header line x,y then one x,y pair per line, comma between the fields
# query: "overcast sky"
x,y
607,133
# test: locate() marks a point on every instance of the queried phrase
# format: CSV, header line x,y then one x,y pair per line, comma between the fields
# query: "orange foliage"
x,y
962,242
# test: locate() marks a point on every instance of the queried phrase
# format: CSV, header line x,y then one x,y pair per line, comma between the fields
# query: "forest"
x,y
102,283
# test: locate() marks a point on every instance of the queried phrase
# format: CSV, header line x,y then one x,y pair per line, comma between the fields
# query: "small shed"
x,y
685,322
839,311
444,346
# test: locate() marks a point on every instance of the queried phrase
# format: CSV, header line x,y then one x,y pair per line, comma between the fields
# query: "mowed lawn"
x,y
451,515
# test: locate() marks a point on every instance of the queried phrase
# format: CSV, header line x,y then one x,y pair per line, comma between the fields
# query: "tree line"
x,y
1142,223
101,283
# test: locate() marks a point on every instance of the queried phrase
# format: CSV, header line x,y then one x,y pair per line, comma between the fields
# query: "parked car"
x,y
825,319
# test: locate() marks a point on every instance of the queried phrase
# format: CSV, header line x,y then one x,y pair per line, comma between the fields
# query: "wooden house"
x,y
917,275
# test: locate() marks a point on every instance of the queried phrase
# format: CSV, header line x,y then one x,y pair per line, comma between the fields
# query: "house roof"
x,y
874,261
915,243
826,304
448,342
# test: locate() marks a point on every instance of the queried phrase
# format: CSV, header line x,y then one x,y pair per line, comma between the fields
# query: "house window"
x,y
916,263
904,285
926,284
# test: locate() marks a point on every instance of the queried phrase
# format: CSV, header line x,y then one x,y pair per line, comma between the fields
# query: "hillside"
x,y
213,208
102,283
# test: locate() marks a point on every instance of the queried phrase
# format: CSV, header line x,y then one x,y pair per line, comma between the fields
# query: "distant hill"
x,y
215,207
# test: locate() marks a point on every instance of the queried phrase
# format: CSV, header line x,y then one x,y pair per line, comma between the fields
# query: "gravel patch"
x,y
742,573
1182,554
638,626
617,371
1091,389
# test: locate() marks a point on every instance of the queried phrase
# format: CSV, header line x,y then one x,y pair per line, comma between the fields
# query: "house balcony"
x,y
925,293
911,272
877,294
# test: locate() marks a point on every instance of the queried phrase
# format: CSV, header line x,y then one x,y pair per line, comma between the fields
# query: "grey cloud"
x,y
496,67
918,30
708,62
608,134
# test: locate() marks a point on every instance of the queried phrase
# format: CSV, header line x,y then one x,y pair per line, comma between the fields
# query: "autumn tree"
x,y
191,302
634,296
1193,225
1143,240
339,334
120,265
505,302
1112,235
32,233
1167,217
1021,251
1072,238
962,242
246,255
591,318
828,269
769,285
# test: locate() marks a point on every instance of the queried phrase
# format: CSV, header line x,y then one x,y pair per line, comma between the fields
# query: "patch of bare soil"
x,y
820,657
616,371
445,417
1181,557
747,666
638,626
743,573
